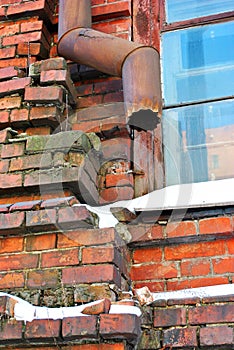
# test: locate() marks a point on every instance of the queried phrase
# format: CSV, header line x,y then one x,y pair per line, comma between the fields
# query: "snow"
x,y
24,311
202,194
211,291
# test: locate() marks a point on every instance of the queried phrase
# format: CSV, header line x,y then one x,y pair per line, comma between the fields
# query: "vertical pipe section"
x,y
138,65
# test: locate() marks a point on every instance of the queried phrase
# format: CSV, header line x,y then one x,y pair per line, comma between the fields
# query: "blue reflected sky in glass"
x,y
180,10
198,63
204,134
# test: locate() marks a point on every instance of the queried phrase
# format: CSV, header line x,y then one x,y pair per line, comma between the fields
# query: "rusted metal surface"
x,y
101,51
136,64
74,14
141,85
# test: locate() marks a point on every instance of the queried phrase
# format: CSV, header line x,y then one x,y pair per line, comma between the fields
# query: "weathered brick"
x,y
195,250
13,261
223,265
119,180
91,274
12,222
169,317
10,102
41,242
12,280
7,52
23,206
43,279
12,86
216,335
4,119
145,232
52,94
19,117
42,115
112,10
180,229
123,325
31,26
215,225
9,29
114,194
100,254
84,237
42,329
11,245
5,135
150,339
53,64
72,217
147,255
79,327
211,314
33,49
11,330
19,62
196,267
60,258
154,271
31,162
12,150
59,202
18,38
181,337
10,181
41,218
10,72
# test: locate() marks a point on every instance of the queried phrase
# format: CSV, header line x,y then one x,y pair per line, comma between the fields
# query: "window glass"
x,y
180,10
199,142
197,63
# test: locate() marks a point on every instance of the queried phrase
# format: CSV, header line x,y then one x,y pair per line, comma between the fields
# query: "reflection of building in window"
x,y
214,161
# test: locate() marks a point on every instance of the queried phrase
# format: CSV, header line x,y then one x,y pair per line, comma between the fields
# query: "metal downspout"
x,y
138,65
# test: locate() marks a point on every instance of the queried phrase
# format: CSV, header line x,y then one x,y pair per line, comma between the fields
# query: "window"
x,y
198,91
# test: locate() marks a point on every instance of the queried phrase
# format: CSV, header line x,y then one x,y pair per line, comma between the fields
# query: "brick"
x,y
156,286
33,49
180,229
114,194
118,9
79,327
19,117
211,314
16,39
43,279
12,222
5,135
42,329
195,268
52,94
7,52
223,265
41,130
21,62
154,271
4,119
10,72
218,335
31,162
96,255
28,7
114,26
123,326
10,102
119,180
12,280
182,337
60,258
9,87
116,148
41,242
23,206
10,181
53,64
11,330
89,101
13,150
41,218
147,255
195,250
100,307
7,30
91,274
142,233
31,26
84,237
59,202
12,262
42,115
230,246
215,225
11,245
169,317
75,217
196,282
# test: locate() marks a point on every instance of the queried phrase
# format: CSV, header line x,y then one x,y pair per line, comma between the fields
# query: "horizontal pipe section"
x,y
101,51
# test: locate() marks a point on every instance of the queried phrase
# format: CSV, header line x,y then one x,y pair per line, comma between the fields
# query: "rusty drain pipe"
x,y
138,65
